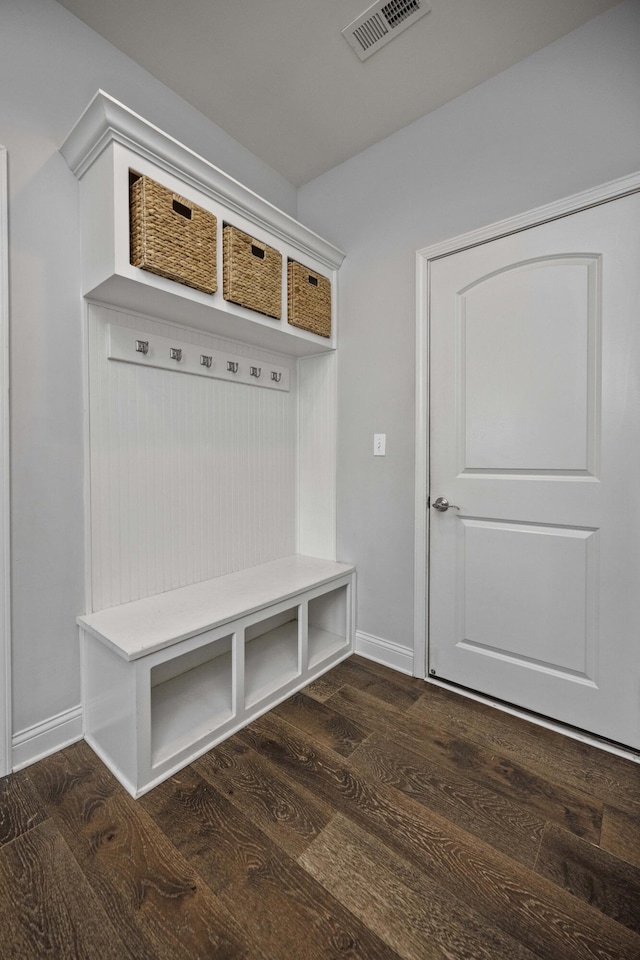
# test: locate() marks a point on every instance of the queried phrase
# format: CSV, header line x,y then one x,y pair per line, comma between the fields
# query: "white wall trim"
x,y
5,602
386,652
43,739
552,211
421,540
86,460
316,461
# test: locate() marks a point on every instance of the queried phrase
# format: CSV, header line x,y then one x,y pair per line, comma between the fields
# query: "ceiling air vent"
x,y
382,22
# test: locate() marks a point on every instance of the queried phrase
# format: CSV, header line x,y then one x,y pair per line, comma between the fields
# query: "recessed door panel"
x,y
527,592
531,332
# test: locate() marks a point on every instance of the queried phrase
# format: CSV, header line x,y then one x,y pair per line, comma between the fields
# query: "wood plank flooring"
x,y
371,816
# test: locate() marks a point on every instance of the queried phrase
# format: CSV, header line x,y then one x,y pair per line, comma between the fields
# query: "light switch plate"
x,y
379,444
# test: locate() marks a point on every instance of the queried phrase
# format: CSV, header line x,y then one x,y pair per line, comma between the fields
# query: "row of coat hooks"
x,y
149,350
206,360
233,365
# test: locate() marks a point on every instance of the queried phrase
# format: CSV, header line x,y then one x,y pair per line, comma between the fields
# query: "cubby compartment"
x,y
252,273
271,654
191,695
328,619
170,236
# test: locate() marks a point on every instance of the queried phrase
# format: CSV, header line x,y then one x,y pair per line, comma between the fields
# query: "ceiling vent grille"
x,y
382,22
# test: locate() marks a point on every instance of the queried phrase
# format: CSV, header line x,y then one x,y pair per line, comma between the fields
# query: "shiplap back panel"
x,y
190,478
317,400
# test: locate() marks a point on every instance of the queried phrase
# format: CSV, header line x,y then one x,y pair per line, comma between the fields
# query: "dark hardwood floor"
x,y
370,816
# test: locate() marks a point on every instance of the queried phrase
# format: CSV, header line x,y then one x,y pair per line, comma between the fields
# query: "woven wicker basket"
x,y
172,237
252,273
309,299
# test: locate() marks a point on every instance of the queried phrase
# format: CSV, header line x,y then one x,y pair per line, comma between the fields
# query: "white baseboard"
x,y
387,652
43,739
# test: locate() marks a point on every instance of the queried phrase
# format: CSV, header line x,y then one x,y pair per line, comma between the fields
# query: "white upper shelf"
x,y
106,143
107,121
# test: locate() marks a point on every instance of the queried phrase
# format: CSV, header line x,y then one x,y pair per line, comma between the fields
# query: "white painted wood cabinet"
x,y
213,590
106,144
168,677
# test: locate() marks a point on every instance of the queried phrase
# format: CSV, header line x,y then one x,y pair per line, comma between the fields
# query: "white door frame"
x,y
5,618
424,258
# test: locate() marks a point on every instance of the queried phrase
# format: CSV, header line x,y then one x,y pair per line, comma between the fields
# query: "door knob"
x,y
442,504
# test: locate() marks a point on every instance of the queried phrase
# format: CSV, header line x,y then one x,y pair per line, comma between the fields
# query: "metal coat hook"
x,y
255,371
175,353
232,366
277,377
205,360
142,346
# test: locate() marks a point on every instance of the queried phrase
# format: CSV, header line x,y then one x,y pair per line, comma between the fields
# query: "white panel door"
x,y
535,415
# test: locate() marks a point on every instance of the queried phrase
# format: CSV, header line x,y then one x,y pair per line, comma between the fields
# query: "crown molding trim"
x,y
107,121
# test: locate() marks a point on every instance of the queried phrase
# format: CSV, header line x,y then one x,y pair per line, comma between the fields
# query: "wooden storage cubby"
x,y
168,677
271,655
191,696
327,618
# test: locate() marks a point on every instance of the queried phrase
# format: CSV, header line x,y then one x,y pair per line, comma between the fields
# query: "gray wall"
x,y
565,119
51,65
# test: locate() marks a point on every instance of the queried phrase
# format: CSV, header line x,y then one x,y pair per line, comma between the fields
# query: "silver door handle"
x,y
442,504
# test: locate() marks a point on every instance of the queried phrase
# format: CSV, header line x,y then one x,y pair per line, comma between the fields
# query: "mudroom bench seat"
x,y
167,677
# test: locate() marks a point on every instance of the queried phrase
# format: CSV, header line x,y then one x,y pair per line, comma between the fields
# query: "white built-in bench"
x,y
167,677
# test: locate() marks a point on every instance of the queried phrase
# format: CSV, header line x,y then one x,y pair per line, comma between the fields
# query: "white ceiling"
x,y
279,77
